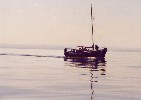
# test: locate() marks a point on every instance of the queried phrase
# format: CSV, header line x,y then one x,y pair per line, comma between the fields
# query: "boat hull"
x,y
98,53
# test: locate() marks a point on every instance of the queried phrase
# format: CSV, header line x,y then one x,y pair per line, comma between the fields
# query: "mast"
x,y
92,19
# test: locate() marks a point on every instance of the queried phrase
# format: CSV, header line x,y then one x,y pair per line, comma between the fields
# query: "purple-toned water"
x,y
40,74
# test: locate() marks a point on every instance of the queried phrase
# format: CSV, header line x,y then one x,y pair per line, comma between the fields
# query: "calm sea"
x,y
40,74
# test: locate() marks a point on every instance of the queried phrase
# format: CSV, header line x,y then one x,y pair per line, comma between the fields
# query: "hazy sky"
x,y
67,22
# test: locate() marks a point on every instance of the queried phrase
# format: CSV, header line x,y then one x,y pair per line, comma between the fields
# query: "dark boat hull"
x,y
98,53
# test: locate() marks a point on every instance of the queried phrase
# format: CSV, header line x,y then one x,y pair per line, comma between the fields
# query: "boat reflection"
x,y
91,63
96,67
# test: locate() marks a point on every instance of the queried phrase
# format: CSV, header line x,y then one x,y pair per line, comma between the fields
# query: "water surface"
x,y
40,74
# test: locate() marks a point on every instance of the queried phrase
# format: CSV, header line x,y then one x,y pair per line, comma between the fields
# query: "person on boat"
x,y
96,47
80,50
65,50
73,50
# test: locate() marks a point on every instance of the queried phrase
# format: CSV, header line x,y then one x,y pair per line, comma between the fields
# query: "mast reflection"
x,y
95,65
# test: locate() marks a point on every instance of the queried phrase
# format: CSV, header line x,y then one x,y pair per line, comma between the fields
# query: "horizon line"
x,y
58,47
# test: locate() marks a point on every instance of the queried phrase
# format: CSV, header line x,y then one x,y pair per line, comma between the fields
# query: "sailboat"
x,y
86,51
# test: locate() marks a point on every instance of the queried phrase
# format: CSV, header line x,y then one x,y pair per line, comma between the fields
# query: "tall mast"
x,y
92,19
